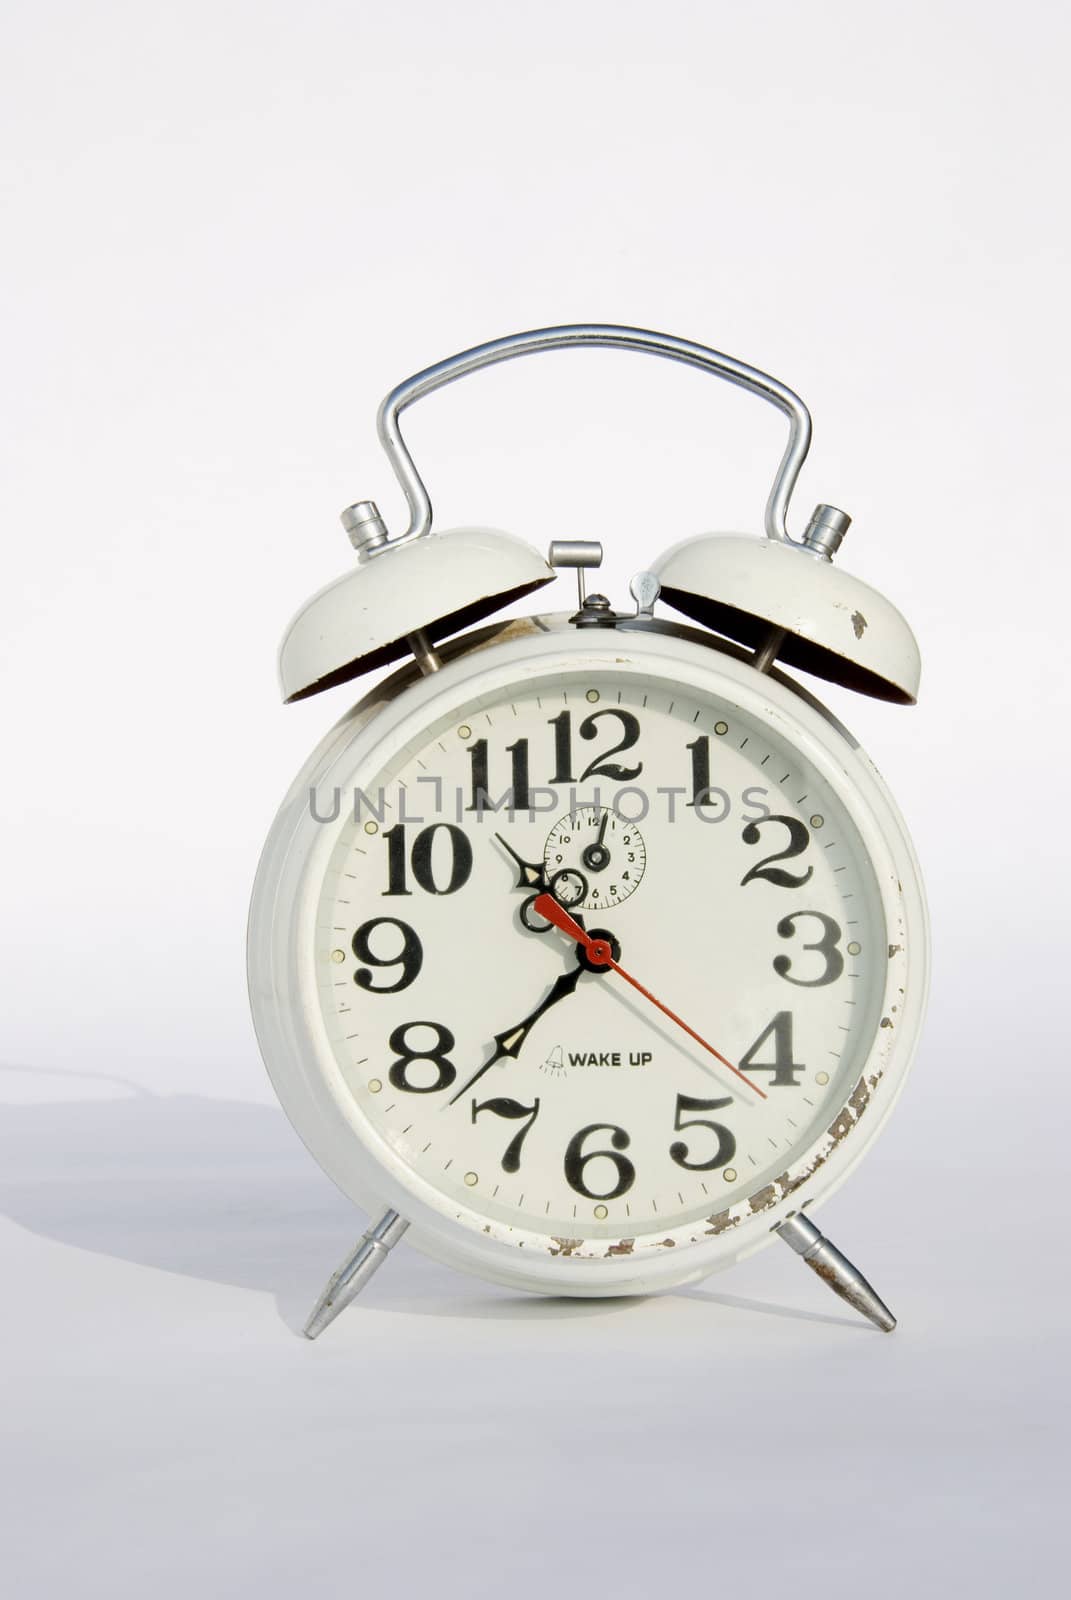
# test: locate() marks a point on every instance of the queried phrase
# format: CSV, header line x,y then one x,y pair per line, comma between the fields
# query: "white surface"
x,y
230,228
168,1429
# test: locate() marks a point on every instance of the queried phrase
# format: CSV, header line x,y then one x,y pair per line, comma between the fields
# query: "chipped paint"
x,y
795,1177
721,1221
886,1022
894,950
623,1247
858,624
565,1247
843,1124
858,1098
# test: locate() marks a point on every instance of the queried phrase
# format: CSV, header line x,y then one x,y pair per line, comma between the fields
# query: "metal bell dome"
x,y
764,591
436,585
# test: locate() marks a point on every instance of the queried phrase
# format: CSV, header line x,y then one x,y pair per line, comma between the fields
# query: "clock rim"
x,y
305,1073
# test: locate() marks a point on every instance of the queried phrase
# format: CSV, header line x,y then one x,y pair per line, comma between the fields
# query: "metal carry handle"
x,y
612,337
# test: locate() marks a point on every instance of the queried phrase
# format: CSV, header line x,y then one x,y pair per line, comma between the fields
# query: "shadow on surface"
x,y
225,1192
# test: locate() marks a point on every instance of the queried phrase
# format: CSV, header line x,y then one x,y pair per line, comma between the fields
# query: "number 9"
x,y
410,958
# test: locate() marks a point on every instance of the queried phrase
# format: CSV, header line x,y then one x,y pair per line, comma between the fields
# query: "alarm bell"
x,y
778,595
786,597
433,586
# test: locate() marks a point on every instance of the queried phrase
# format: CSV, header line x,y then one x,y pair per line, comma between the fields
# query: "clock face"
x,y
698,1014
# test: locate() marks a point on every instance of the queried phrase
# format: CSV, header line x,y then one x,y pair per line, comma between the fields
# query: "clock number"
x,y
394,839
576,1160
798,840
520,792
782,1066
407,1054
700,752
422,862
563,747
726,1146
511,1157
826,946
602,766
410,959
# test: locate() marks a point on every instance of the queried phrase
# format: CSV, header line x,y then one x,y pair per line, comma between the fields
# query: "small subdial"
x,y
594,849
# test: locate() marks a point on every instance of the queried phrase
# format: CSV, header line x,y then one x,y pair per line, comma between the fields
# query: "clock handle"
x,y
611,337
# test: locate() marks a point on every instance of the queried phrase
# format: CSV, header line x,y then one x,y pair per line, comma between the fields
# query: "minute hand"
x,y
508,1044
600,953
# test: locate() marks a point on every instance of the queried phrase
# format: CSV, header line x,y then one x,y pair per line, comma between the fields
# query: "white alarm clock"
x,y
589,947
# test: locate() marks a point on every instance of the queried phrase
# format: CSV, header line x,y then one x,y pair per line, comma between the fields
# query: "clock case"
x,y
283,940
758,600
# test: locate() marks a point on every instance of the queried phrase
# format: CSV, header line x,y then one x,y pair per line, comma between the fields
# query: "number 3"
x,y
826,946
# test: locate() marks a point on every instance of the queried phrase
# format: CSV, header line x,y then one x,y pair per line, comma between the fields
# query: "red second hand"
x,y
599,951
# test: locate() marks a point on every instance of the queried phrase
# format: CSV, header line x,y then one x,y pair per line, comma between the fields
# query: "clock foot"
x,y
346,1284
836,1270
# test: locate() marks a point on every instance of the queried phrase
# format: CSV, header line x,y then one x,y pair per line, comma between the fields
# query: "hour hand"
x,y
530,875
508,1043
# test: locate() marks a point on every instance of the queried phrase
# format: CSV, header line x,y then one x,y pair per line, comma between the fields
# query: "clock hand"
x,y
598,951
531,876
509,1042
602,827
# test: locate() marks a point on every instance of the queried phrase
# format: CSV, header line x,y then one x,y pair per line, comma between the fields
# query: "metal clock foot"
x,y
346,1284
836,1270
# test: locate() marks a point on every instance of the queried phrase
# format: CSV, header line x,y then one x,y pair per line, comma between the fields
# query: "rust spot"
x,y
668,1244
894,950
886,1022
826,1273
858,624
566,1247
622,1248
839,1285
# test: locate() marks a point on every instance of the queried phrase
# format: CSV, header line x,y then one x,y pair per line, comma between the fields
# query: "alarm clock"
x,y
588,950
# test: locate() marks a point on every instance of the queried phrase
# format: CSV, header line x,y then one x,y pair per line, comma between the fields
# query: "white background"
x,y
229,229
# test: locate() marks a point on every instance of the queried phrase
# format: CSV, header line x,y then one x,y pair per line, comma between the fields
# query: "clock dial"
x,y
706,1015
